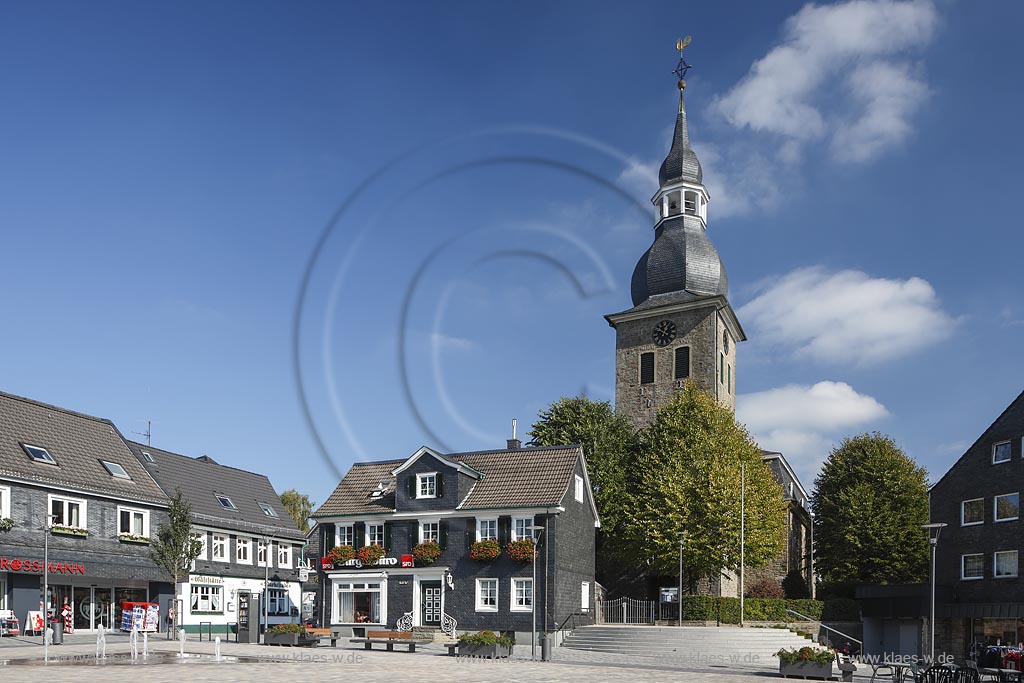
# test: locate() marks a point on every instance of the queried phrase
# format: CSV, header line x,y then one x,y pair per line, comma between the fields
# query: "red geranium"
x,y
522,550
485,550
426,552
340,554
370,554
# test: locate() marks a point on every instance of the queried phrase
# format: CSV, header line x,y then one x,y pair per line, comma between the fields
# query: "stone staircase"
x,y
430,634
696,645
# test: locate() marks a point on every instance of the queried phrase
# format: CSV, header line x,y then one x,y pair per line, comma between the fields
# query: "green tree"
x,y
869,503
299,506
609,446
688,487
173,548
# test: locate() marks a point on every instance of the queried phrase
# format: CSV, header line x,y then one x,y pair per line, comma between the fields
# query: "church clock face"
x,y
664,332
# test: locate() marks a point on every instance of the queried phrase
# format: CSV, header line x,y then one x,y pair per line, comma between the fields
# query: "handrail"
x,y
573,617
827,627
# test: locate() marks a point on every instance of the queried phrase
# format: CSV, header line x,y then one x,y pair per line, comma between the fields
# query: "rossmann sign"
x,y
36,566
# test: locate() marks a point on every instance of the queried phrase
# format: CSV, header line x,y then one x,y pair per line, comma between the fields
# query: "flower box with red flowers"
x,y
522,550
340,554
807,662
426,552
485,550
370,554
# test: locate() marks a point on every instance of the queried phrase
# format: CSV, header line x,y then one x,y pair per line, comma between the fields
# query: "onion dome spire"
x,y
681,164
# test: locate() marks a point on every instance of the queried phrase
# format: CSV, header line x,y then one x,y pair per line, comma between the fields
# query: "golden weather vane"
x,y
682,67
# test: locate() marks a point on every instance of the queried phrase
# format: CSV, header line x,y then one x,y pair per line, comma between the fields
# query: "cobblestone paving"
x,y
75,660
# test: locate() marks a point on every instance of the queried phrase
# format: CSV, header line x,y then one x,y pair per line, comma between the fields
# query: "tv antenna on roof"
x,y
148,433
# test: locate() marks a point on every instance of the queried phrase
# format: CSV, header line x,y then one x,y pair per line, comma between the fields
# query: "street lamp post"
x,y
46,582
814,582
933,540
679,596
743,538
266,581
534,530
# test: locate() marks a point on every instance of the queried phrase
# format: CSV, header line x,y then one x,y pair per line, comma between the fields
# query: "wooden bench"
x,y
324,634
388,639
451,648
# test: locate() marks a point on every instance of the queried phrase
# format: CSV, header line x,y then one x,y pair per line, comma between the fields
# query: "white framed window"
x,y
278,603
242,555
268,510
521,529
430,530
284,556
1005,564
39,454
1001,452
225,502
358,603
132,521
486,595
486,529
972,566
219,548
68,511
207,599
375,534
261,552
1007,507
5,502
116,470
579,489
344,535
426,485
522,595
201,537
972,512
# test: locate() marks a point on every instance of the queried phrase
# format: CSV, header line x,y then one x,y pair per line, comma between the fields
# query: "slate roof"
x,y
525,477
681,258
681,162
78,442
201,479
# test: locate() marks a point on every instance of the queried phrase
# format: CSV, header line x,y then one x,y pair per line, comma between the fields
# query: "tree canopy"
x,y
173,548
299,507
688,486
869,502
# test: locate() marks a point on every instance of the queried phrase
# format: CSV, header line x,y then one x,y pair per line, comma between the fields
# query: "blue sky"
x,y
168,172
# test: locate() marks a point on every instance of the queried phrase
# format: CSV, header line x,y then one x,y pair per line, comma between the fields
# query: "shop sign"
x,y
356,563
407,561
326,564
211,580
36,566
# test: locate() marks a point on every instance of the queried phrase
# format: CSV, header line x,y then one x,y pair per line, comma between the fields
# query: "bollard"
x,y
216,649
181,643
145,643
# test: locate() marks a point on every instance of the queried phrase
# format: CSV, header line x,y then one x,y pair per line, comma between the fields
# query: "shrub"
x,y
485,550
6,523
727,610
287,628
369,554
765,588
521,550
426,552
805,654
485,638
340,554
810,608
841,609
795,587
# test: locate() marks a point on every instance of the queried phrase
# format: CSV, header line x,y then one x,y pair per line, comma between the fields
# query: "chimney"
x,y
513,444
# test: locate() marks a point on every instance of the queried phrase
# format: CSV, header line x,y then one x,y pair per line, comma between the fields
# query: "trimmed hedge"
x,y
709,608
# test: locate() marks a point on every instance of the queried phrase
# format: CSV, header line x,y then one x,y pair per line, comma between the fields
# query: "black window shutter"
x,y
470,531
439,488
328,541
387,536
413,534
504,530
682,362
359,534
442,534
412,485
646,368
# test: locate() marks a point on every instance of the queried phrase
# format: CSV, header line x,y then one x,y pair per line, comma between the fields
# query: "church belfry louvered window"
x,y
682,369
647,368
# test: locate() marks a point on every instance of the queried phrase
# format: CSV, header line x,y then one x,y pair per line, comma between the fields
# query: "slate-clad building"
x,y
251,544
104,505
978,551
457,500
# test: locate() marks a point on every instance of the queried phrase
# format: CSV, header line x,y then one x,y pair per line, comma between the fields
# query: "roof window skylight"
x,y
267,510
225,502
39,454
115,470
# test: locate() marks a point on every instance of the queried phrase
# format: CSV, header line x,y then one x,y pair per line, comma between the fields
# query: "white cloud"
x,y
840,73
847,316
740,181
445,342
803,422
640,177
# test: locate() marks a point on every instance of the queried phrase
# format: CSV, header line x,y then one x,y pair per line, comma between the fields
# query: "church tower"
x,y
681,325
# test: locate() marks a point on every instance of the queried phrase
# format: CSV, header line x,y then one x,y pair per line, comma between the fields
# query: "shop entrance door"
x,y
430,598
92,608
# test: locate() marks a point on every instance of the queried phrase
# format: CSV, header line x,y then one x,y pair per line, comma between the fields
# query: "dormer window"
x,y
115,470
426,485
225,502
39,454
267,510
379,491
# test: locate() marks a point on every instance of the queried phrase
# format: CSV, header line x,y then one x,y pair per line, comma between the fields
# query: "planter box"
x,y
69,532
806,670
128,539
288,639
485,651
